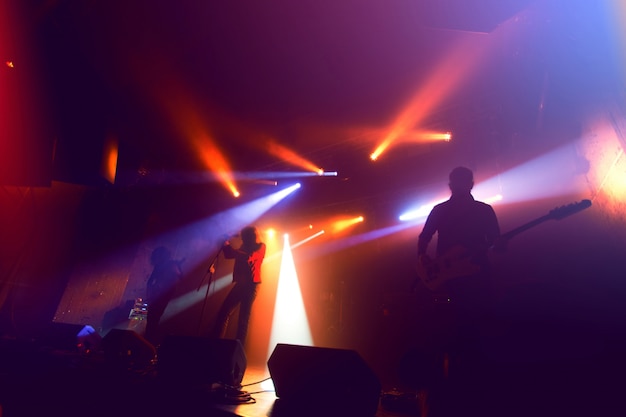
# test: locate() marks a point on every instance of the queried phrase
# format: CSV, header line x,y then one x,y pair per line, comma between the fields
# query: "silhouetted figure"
x,y
160,290
246,277
466,230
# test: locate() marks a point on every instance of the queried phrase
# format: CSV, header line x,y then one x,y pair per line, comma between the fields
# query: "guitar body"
x,y
455,263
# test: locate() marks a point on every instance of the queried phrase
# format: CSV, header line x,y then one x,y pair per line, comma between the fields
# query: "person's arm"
x,y
494,238
424,262
255,260
232,253
241,255
258,255
430,227
422,245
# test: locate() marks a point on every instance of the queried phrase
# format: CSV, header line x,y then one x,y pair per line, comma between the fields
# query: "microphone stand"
x,y
208,273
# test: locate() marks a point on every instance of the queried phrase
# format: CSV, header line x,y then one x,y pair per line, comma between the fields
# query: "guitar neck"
x,y
554,214
512,233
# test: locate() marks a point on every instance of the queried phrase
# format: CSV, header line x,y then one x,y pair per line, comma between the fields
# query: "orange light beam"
x,y
177,104
421,136
446,76
290,156
189,122
459,64
341,225
214,159
109,162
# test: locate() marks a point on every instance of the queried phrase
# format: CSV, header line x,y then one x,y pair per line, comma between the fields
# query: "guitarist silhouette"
x,y
465,228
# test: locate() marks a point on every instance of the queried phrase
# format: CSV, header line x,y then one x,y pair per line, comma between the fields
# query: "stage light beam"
x,y
344,224
462,61
421,212
291,157
290,323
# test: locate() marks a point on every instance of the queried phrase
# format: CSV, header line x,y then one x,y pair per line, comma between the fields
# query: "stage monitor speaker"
x,y
127,349
337,379
200,360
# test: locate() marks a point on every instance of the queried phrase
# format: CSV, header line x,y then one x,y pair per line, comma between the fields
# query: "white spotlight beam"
x,y
550,175
247,213
300,243
290,323
419,213
282,174
303,241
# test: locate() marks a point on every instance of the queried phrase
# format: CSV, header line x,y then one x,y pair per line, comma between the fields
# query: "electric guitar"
x,y
457,262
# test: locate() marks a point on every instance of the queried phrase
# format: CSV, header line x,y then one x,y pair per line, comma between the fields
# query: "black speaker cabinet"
x,y
201,360
127,349
324,379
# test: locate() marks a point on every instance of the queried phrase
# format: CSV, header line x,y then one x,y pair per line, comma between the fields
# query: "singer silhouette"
x,y
246,278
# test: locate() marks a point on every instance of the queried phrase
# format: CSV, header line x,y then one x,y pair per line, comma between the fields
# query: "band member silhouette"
x,y
161,288
246,278
459,274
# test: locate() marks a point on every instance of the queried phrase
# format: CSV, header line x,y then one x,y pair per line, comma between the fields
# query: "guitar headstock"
x,y
561,212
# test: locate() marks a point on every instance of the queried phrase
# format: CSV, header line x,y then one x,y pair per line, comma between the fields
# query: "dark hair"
x,y
250,237
461,179
160,255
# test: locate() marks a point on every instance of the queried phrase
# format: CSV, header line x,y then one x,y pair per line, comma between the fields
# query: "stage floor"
x,y
258,384
35,383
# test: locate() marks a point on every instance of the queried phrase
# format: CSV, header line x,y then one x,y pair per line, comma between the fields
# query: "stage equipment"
x,y
200,360
338,379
